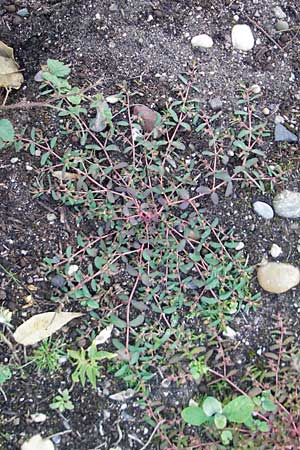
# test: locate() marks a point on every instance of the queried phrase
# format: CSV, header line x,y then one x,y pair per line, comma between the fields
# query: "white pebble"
x,y
72,269
266,111
242,37
202,40
256,89
275,250
229,332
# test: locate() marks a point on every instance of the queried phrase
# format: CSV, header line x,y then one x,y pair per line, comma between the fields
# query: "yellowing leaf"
x,y
38,443
104,335
10,76
41,326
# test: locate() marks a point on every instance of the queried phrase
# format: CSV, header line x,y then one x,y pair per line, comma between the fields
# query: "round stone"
x,y
278,277
242,37
281,25
58,281
287,204
202,41
275,251
263,210
256,89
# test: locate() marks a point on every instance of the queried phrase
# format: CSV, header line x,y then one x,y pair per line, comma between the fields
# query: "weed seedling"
x,y
62,402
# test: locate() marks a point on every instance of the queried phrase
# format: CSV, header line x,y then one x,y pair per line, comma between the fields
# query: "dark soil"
x,y
147,44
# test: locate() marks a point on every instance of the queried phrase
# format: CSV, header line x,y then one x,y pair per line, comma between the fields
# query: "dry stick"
x,y
264,32
152,435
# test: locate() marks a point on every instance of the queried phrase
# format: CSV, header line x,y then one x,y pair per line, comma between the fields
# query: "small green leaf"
x,y
194,415
137,321
7,133
58,68
239,409
211,406
226,437
220,421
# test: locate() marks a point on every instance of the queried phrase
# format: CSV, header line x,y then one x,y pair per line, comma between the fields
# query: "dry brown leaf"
x,y
104,335
38,443
67,176
41,326
10,76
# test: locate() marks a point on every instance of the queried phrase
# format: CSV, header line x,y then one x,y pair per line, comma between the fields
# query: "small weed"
x,y
62,402
46,356
86,364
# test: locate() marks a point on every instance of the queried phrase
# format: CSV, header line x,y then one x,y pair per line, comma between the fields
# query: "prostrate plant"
x,y
240,410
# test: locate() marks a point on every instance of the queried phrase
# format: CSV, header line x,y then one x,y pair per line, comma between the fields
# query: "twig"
x,y
264,32
152,435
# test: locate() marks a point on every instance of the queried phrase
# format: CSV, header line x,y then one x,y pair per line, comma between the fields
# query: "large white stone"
x,y
202,40
287,204
278,277
242,37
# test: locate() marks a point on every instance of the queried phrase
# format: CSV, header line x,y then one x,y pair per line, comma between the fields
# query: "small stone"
x,y
287,204
278,277
58,281
229,332
279,119
263,210
51,217
275,250
23,12
282,134
147,116
240,246
281,25
256,89
2,294
279,13
10,8
38,417
242,37
216,103
266,111
14,160
113,7
202,41
72,269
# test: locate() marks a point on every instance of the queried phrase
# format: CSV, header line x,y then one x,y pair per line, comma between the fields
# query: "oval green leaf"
x,y
211,406
194,415
239,409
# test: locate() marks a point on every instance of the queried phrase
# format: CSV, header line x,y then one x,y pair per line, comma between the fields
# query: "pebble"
x,y
23,12
281,25
240,246
287,204
14,160
58,281
256,89
266,111
147,115
229,332
202,41
275,251
282,134
278,277
263,210
279,13
2,294
242,37
72,269
51,217
10,8
279,119
216,103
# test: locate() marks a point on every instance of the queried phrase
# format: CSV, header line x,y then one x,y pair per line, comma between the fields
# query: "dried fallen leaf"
x,y
104,335
10,77
122,396
67,176
41,326
38,443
